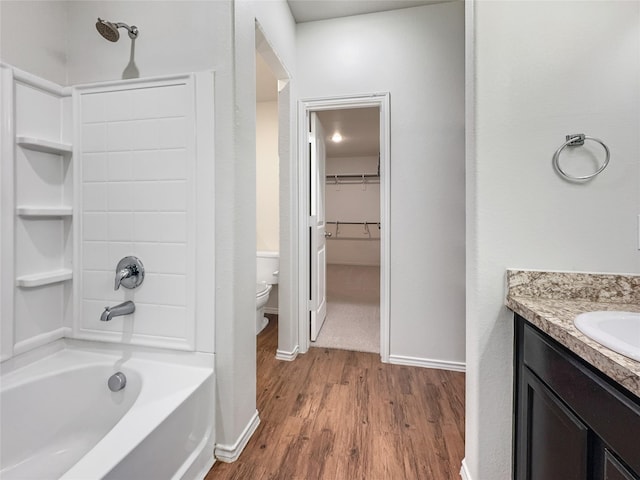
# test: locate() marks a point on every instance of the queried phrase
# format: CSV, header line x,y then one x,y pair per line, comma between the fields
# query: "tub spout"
x,y
125,308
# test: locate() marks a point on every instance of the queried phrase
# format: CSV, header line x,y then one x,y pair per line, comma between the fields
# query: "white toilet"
x,y
267,269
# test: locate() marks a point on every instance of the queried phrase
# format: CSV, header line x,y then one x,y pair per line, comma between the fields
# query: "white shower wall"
x,y
37,197
137,182
136,162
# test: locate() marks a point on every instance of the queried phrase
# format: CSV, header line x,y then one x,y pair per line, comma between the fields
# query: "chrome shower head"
x,y
110,32
107,30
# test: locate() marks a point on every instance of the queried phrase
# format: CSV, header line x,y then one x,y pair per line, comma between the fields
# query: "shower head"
x,y
107,30
110,32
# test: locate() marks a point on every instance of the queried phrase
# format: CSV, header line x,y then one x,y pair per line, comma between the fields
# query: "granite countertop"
x,y
551,301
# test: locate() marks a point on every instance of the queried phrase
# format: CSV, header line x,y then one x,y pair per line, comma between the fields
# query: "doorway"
x,y
274,104
352,228
354,189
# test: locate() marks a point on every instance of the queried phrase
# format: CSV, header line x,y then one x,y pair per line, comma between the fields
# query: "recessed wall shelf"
x,y
44,212
45,278
41,145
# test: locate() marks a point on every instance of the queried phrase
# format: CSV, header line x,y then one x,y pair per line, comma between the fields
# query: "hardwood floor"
x,y
336,414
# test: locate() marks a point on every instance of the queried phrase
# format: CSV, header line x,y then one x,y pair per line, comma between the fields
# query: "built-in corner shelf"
x,y
45,278
44,212
41,145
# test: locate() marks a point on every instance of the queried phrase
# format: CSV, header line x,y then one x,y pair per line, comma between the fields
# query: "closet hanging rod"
x,y
354,223
353,175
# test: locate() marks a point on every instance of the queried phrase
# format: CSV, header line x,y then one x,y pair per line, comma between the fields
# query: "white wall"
x,y
543,70
33,37
175,37
351,201
58,41
417,55
276,42
267,173
278,26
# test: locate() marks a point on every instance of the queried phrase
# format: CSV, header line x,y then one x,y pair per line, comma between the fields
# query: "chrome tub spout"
x,y
125,308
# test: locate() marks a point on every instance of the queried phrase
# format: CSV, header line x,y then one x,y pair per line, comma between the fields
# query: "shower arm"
x,y
133,30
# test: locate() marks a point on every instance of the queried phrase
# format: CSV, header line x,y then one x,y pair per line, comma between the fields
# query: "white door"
x,y
318,294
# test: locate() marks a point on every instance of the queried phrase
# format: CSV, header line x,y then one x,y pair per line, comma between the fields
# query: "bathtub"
x,y
59,420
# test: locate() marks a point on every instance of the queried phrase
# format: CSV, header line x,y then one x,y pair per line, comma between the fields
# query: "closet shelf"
x,y
44,212
45,278
42,145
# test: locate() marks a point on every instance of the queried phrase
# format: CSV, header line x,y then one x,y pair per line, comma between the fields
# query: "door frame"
x,y
305,106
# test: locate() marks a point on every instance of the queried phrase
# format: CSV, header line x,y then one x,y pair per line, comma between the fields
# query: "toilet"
x,y
267,270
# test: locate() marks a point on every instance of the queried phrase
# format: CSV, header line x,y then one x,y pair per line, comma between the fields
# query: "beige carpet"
x,y
353,309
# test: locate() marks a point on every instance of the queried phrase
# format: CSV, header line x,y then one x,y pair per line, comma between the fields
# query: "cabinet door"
x,y
553,442
614,470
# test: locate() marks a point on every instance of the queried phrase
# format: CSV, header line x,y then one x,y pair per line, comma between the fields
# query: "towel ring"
x,y
577,140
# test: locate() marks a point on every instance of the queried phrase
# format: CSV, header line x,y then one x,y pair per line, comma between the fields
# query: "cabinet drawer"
x,y
611,413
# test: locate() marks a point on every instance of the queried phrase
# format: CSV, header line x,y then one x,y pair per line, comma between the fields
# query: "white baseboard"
x,y
427,363
230,453
287,356
271,310
464,471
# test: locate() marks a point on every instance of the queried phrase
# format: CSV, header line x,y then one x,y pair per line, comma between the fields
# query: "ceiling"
x,y
360,130
312,10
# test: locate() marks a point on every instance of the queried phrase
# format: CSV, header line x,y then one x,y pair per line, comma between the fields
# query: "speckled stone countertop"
x,y
551,301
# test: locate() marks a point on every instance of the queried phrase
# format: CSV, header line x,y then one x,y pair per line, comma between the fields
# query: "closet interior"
x,y
353,223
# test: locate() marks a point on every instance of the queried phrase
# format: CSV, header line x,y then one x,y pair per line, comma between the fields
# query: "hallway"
x,y
337,414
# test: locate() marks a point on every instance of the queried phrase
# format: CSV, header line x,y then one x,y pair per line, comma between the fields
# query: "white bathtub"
x,y
59,420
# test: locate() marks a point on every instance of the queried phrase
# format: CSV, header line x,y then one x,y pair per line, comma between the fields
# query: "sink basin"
x,y
619,331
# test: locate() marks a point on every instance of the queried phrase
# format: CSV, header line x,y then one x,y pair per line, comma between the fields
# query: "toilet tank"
x,y
267,267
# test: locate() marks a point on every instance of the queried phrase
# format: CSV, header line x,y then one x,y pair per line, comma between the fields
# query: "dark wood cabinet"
x,y
571,422
556,438
614,470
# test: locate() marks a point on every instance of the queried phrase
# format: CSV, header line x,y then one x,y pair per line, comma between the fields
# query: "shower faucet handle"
x,y
129,273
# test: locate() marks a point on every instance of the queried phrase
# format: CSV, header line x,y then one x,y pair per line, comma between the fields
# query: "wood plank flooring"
x,y
337,414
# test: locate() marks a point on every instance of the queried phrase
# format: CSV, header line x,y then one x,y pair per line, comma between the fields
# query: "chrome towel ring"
x,y
577,140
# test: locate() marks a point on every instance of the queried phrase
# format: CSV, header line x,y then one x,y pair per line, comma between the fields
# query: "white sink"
x,y
619,331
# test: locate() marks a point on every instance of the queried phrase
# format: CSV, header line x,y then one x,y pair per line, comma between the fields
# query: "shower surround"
x,y
91,174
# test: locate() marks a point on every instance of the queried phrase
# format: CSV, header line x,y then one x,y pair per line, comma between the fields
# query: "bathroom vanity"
x,y
576,403
572,421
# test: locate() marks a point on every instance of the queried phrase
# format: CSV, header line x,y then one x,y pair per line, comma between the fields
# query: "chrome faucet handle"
x,y
129,273
122,274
